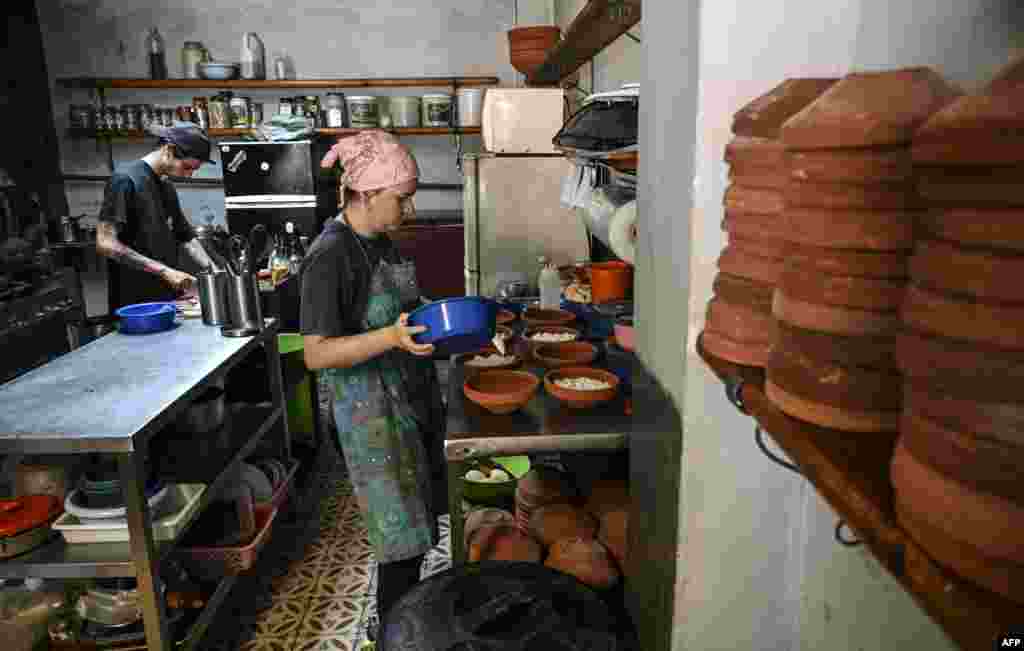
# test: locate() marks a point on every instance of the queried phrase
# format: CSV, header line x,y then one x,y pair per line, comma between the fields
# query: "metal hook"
x,y
846,542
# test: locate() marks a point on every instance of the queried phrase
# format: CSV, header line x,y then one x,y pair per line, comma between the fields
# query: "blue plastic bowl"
x,y
456,325
144,318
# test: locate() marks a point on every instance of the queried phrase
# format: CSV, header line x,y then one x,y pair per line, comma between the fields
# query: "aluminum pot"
x,y
206,413
213,298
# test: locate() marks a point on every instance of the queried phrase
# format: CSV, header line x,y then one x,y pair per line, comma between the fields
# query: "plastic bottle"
x,y
550,286
155,52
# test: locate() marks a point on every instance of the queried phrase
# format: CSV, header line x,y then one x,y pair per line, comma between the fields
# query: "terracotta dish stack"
x,y
850,208
957,472
739,319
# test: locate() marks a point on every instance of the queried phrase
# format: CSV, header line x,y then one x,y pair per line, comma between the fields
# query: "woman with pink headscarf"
x,y
356,295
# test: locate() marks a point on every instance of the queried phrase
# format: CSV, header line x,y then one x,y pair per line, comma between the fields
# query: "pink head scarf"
x,y
373,160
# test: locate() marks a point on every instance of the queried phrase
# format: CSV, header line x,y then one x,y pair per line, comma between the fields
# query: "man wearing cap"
x,y
141,222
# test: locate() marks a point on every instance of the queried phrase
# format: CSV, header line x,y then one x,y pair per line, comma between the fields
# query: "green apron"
x,y
390,423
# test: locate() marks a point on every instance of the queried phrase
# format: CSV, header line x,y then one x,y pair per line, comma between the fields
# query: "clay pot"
x,y
503,542
741,199
485,517
736,260
506,316
529,46
986,465
762,152
501,392
528,345
812,286
1001,230
871,352
754,244
763,116
741,291
553,522
757,227
738,333
569,353
471,370
824,393
964,318
833,319
527,61
841,262
882,165
869,109
849,196
981,129
999,421
987,522
757,177
968,370
587,560
889,230
581,399
535,316
610,281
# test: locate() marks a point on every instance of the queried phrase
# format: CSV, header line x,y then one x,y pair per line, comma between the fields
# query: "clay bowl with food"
x,y
487,359
550,334
536,316
501,392
581,387
567,353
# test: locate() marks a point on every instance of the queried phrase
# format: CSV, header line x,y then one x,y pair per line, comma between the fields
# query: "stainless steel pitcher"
x,y
243,306
213,298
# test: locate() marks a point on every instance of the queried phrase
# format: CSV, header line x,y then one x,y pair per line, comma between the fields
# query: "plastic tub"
x,y
610,281
456,325
437,110
405,112
363,112
184,502
146,318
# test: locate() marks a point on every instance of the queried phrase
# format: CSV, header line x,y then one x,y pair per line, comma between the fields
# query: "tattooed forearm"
x,y
108,244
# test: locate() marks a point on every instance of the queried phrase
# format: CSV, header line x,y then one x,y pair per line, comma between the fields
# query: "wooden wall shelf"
x,y
852,473
270,84
138,134
598,24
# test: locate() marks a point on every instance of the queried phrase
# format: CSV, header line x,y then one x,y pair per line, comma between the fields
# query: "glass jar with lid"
x,y
334,110
312,104
192,54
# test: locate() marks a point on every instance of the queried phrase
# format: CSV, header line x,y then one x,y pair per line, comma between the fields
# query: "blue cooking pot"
x,y
144,318
456,325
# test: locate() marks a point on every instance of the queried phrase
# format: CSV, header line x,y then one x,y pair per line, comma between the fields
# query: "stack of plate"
x,y
959,487
850,207
739,319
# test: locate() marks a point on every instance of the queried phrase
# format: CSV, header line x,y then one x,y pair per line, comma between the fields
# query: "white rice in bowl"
x,y
582,384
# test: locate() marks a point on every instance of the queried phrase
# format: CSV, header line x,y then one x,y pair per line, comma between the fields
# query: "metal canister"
x,y
130,117
145,116
255,114
239,112
312,104
335,110
167,117
201,112
299,106
118,119
286,106
220,112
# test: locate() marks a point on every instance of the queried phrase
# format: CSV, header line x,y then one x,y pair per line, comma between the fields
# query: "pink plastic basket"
x,y
281,494
233,559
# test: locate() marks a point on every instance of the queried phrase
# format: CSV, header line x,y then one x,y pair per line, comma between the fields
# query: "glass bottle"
x,y
294,255
155,52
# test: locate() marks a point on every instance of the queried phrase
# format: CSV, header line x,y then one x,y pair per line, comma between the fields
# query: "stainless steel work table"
x,y
545,425
113,396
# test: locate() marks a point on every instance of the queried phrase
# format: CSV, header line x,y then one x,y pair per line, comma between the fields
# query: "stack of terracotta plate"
x,y
739,320
958,476
850,207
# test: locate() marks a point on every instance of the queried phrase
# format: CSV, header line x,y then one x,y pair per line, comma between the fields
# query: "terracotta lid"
x,y
987,275
989,418
988,522
999,576
860,166
848,262
833,319
983,227
970,370
744,353
735,260
754,151
964,318
982,129
810,285
849,196
739,322
890,230
752,200
756,226
870,352
869,109
987,465
826,382
766,248
823,415
758,176
1010,75
981,186
763,116
742,291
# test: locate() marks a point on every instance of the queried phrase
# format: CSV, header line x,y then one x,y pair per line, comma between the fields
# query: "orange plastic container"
x,y
610,281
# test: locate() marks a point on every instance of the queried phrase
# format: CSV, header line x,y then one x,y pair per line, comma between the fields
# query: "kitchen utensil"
x,y
146,318
259,242
205,414
218,71
456,325
501,392
243,306
73,505
213,297
581,398
237,246
25,523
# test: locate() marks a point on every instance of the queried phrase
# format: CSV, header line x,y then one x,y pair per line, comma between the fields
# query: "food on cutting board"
x,y
553,336
488,361
587,560
582,384
554,522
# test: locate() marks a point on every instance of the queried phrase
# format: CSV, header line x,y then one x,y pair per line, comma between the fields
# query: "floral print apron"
x,y
390,419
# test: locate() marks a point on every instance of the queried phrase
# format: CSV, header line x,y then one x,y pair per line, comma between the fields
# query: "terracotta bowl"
x,y
569,353
506,316
528,345
535,316
579,399
526,61
501,392
470,370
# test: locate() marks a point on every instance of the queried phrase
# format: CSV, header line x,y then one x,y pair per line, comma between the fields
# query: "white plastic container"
x,y
363,112
405,112
471,106
183,502
437,110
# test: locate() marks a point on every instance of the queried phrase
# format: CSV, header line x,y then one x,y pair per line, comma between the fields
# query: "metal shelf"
x,y
135,135
59,560
270,84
